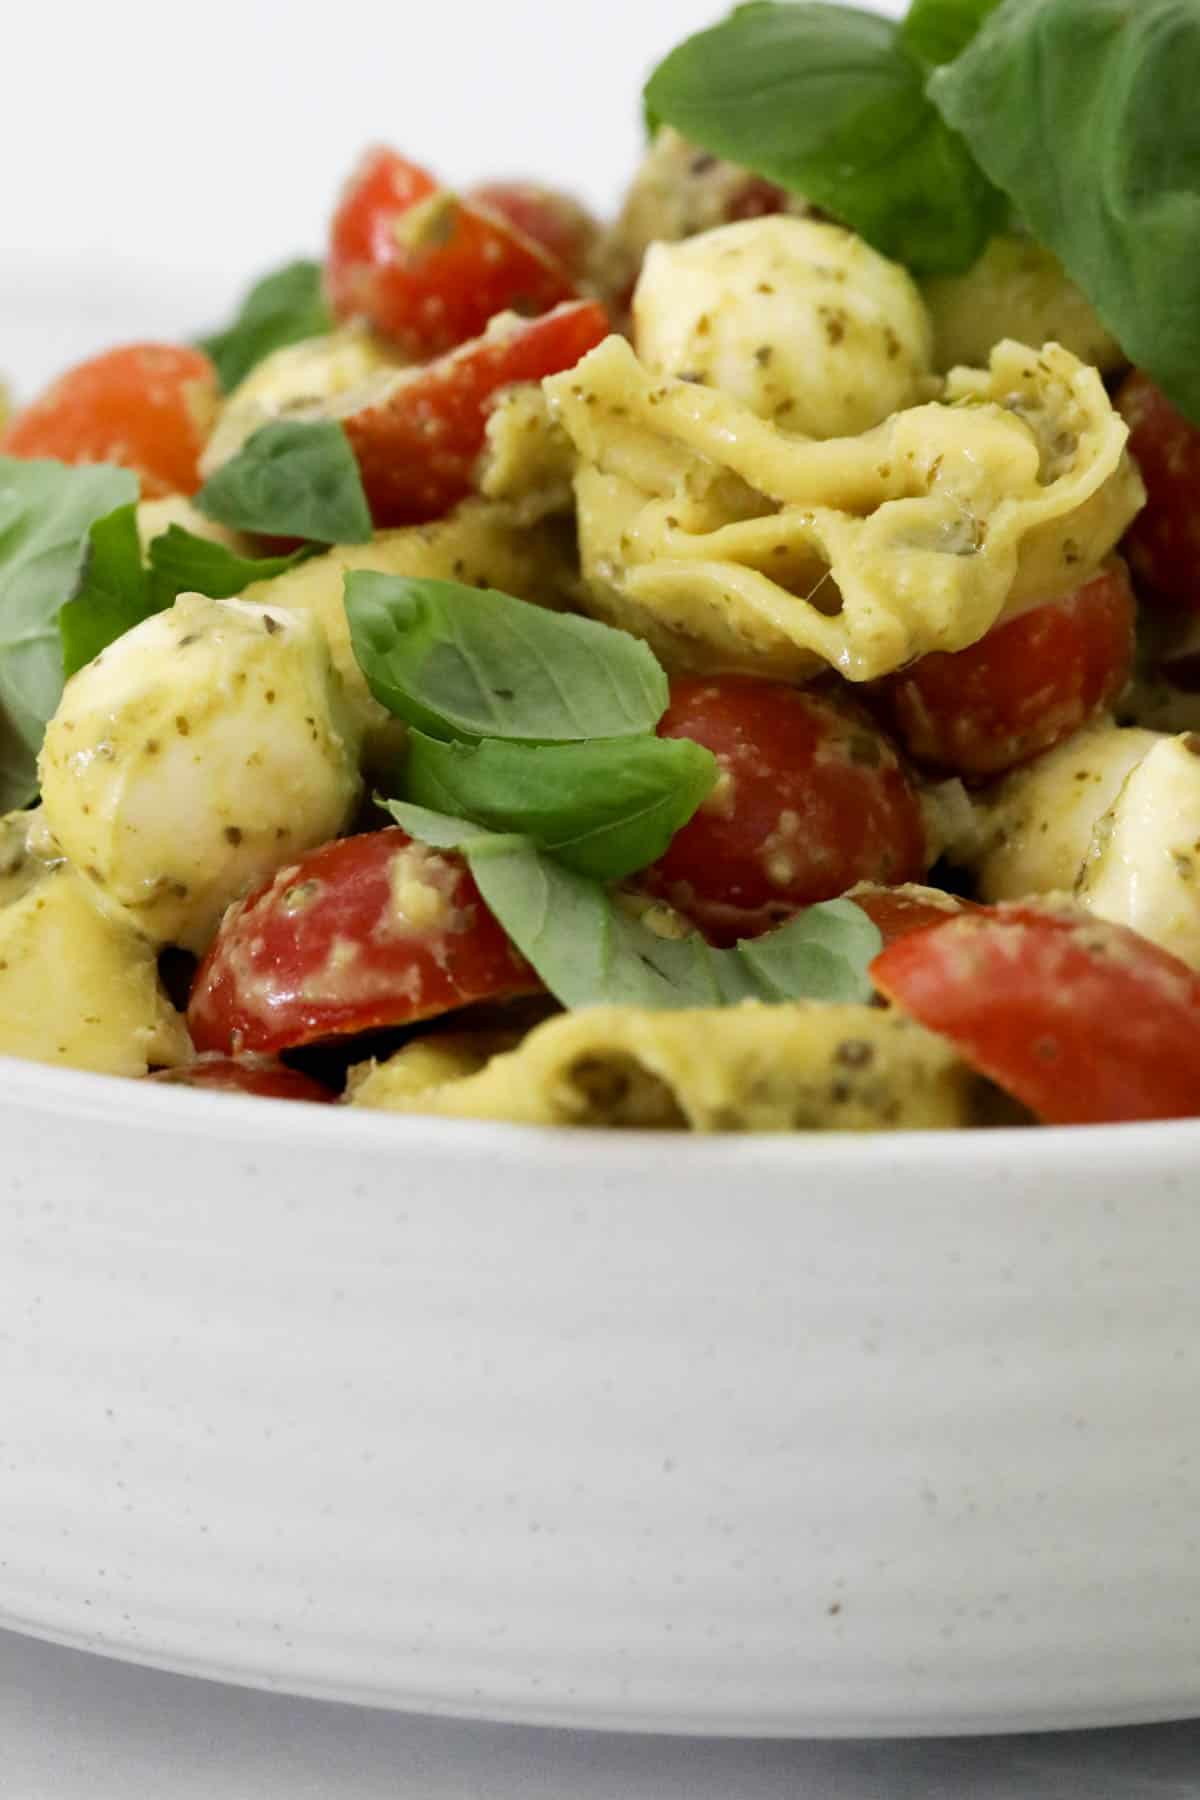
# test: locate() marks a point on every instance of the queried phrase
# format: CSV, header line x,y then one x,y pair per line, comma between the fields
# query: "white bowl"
x,y
771,1435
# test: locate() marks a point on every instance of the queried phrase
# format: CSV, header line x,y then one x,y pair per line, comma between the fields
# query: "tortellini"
x,y
296,382
1017,289
194,757
110,1013
482,544
678,190
730,544
803,1066
801,321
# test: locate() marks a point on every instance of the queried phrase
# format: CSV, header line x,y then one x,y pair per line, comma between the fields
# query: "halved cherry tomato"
x,y
426,268
246,1075
564,229
1163,543
811,798
1084,1022
146,407
417,444
1021,689
899,910
363,933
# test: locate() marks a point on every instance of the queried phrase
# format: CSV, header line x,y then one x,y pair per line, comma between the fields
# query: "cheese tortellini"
x,y
1017,289
804,1066
111,1015
801,321
480,544
297,382
730,544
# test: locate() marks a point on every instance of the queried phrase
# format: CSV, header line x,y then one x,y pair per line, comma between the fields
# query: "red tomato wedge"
x,y
424,267
564,229
897,911
145,407
417,443
1021,689
247,1075
811,799
365,932
1163,543
1084,1022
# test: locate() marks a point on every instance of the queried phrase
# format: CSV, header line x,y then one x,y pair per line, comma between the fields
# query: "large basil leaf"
x,y
936,31
182,563
463,662
603,808
283,308
293,479
826,101
1085,112
113,593
46,512
590,951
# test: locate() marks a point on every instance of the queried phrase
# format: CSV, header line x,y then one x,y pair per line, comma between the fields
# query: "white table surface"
x,y
158,156
76,1727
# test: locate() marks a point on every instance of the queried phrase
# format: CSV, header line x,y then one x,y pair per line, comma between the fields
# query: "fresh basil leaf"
x,y
46,512
113,593
603,808
936,31
826,101
470,663
283,308
1085,113
182,563
295,479
590,951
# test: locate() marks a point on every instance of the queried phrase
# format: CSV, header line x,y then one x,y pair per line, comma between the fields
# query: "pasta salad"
x,y
731,668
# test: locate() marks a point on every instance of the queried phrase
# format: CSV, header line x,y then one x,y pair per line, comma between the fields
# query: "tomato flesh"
x,y
145,407
425,268
417,446
1163,542
559,224
364,933
1023,688
811,799
897,911
1084,1022
247,1075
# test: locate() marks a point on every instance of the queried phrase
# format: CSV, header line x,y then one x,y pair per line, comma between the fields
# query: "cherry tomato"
x,y
1084,1022
426,268
146,407
755,199
1163,543
811,798
564,229
417,444
899,910
363,933
1021,689
246,1075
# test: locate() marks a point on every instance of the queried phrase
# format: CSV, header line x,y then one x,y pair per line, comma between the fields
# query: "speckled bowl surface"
x,y
763,1435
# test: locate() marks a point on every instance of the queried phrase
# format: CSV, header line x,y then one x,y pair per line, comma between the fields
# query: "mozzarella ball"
x,y
1035,826
1143,865
77,987
194,757
801,321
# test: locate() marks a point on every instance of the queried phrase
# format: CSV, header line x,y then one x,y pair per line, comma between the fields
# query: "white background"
x,y
155,157
158,155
